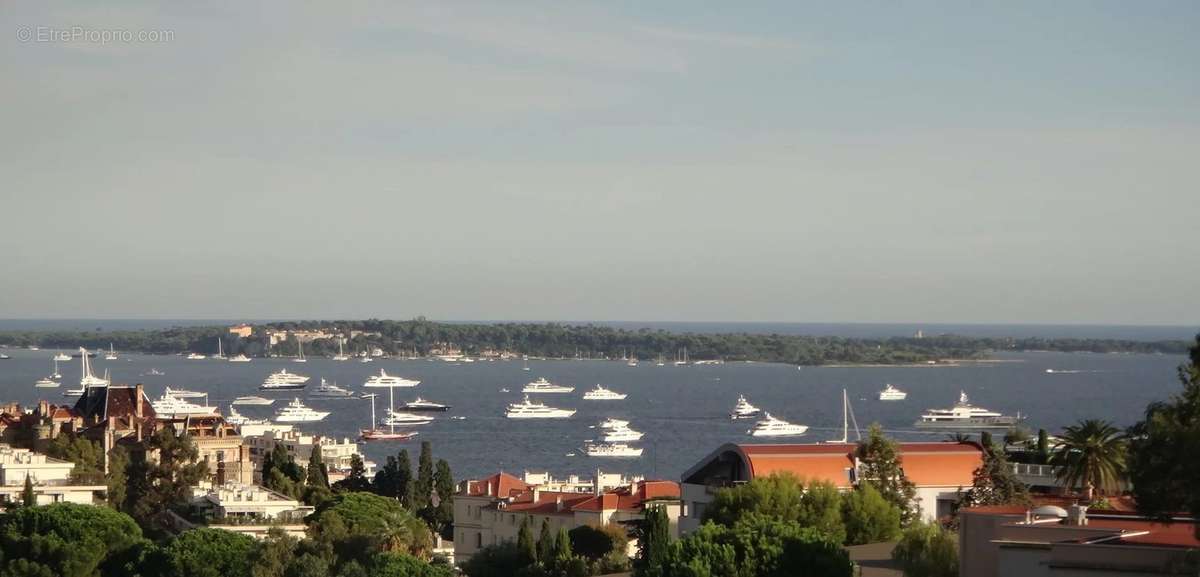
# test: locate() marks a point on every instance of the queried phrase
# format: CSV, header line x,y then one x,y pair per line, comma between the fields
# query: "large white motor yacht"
x,y
543,386
422,405
621,435
196,357
534,410
385,380
296,412
184,394
964,415
46,383
771,427
177,407
253,400
611,423
62,357
236,418
602,394
891,393
399,419
611,450
744,410
239,358
282,379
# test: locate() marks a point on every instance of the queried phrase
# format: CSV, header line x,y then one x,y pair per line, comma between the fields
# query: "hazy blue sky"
x,y
890,161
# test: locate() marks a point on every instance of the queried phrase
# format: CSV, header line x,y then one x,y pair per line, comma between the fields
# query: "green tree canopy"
x,y
358,525
526,546
545,544
869,518
68,540
927,550
755,546
1091,454
206,552
500,560
153,486
995,483
781,496
880,466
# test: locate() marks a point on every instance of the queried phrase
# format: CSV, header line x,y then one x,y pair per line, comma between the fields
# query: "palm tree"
x,y
1090,454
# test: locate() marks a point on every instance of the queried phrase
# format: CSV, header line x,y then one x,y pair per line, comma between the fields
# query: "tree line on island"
x,y
558,340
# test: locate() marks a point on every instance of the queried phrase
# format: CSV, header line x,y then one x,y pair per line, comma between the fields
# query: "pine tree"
x,y
404,480
423,492
994,482
443,483
118,461
385,479
317,475
881,466
654,539
28,498
545,545
562,547
525,544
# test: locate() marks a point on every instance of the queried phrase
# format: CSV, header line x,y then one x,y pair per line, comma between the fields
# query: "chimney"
x,y
137,400
489,489
558,504
537,493
598,488
1077,515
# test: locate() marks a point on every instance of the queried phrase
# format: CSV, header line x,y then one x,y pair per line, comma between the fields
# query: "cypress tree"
x,y
423,492
525,544
545,546
880,459
317,475
385,479
28,498
444,485
654,538
562,546
404,480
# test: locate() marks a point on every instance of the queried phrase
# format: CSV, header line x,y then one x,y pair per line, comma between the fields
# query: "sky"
x,y
1006,162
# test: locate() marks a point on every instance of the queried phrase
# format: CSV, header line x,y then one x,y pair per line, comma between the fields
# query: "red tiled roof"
x,y
945,464
521,496
501,484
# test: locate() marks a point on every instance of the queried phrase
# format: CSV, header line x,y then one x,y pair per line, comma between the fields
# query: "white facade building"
x,y
336,453
51,478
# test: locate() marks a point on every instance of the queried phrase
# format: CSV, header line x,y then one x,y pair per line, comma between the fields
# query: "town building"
x,y
252,510
242,330
1052,541
51,478
335,453
490,511
219,444
115,414
576,484
939,471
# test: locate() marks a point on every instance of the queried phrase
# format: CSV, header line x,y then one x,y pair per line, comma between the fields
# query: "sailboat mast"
x,y
392,409
845,416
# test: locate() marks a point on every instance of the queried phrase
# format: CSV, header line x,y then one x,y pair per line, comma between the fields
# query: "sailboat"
x,y
61,356
525,367
377,434
50,381
57,375
341,356
847,418
300,359
681,361
220,350
112,353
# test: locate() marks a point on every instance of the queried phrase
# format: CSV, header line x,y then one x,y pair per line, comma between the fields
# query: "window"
x,y
479,540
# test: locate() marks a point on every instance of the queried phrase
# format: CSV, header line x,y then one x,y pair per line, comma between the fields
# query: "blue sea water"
x,y
683,410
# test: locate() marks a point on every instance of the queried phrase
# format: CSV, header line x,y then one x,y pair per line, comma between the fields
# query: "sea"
x,y
683,410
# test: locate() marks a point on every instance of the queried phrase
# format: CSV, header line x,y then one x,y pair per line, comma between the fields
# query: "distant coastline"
x,y
421,337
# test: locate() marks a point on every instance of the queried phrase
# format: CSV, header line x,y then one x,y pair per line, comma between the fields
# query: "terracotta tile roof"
x,y
547,503
501,485
625,499
941,464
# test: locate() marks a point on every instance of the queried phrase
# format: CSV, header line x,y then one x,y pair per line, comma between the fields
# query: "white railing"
x,y
1029,470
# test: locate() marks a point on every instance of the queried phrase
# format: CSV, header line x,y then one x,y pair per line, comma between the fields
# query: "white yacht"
x,y
62,357
176,407
112,353
891,393
184,394
534,410
621,435
282,379
385,380
425,406
296,412
611,423
331,391
196,357
611,450
964,415
602,394
543,386
399,419
88,379
236,418
74,392
341,356
253,400
744,410
771,427
46,383
239,358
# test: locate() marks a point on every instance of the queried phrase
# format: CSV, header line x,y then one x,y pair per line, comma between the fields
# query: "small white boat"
x,y
297,412
196,357
543,386
112,353
62,357
622,435
602,394
772,427
239,358
743,409
611,450
154,373
329,390
891,393
253,400
611,423
46,383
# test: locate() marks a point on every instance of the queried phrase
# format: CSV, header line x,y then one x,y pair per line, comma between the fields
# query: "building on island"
x,y
1052,541
242,330
490,511
938,470
337,454
51,478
